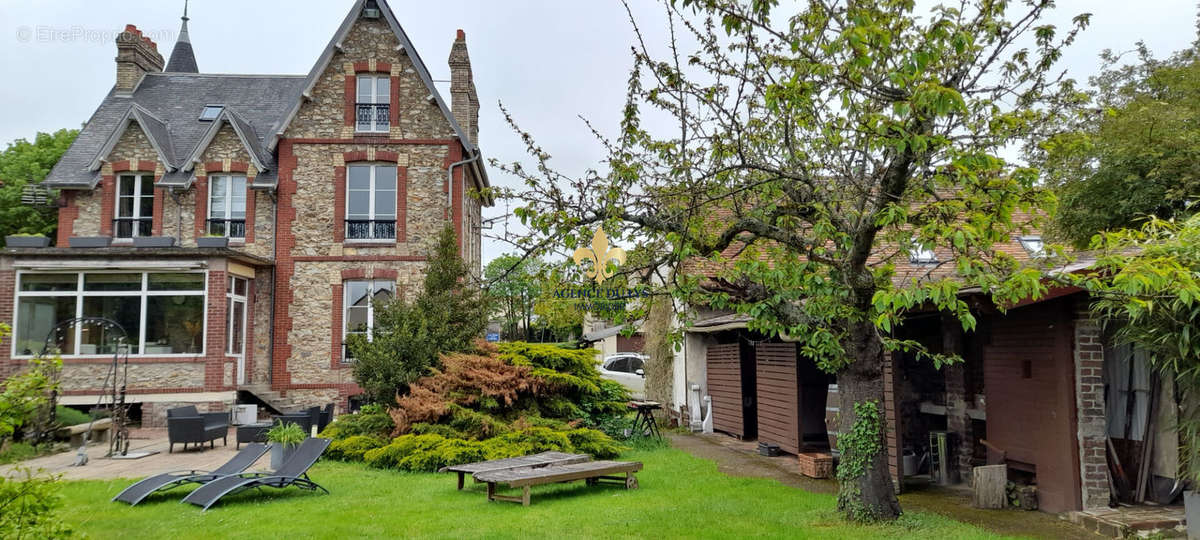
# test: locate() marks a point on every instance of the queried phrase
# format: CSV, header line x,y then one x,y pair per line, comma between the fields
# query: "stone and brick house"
x,y
329,188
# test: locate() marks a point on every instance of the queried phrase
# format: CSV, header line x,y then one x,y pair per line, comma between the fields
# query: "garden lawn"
x,y
680,496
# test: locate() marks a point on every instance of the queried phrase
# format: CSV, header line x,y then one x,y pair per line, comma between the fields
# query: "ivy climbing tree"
x,y
811,150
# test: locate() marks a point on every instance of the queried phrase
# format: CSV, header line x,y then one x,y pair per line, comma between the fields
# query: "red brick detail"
x,y
285,267
219,167
394,99
456,213
8,284
215,359
156,224
67,214
361,155
350,95
124,165
376,140
354,273
402,204
384,273
335,327
339,204
365,67
360,258
108,201
201,212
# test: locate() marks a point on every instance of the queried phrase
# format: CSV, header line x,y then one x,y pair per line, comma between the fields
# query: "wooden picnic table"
x,y
593,472
543,459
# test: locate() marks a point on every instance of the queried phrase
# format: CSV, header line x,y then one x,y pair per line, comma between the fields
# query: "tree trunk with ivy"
x,y
865,489
812,151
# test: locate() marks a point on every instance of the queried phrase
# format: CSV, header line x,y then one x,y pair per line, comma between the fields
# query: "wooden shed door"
x,y
725,388
778,396
1029,380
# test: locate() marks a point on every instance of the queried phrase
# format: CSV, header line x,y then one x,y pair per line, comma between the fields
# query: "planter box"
x,y
90,241
154,241
815,464
1191,506
280,453
212,242
16,241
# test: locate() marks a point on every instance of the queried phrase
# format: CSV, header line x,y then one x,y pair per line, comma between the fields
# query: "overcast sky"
x,y
549,61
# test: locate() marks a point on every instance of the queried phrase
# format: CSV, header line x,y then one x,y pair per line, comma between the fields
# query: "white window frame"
x,y
346,305
232,297
373,98
371,216
137,216
919,254
228,203
1028,241
79,295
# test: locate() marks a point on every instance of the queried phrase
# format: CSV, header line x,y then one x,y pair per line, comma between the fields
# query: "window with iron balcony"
x,y
372,104
227,206
371,203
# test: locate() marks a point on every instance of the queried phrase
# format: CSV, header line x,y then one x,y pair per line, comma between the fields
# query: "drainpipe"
x,y
450,187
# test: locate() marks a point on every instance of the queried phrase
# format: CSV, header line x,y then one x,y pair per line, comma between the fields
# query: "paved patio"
x,y
100,467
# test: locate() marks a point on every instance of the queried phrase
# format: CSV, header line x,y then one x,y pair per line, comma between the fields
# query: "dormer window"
x,y
211,112
1033,246
919,254
372,103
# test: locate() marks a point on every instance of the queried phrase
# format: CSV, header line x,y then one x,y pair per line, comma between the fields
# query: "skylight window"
x,y
211,112
919,254
1034,246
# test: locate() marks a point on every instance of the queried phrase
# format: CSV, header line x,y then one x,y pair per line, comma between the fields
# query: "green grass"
x,y
680,496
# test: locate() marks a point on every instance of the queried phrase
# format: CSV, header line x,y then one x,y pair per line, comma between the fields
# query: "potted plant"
x,y
285,437
90,241
212,241
153,241
25,240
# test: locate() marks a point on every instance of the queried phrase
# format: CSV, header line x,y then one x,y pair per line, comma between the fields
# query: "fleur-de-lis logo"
x,y
600,255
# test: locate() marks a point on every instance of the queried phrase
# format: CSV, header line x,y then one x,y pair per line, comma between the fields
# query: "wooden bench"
x,y
100,429
543,459
593,472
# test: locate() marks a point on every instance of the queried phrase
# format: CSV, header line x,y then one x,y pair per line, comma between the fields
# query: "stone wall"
x,y
159,376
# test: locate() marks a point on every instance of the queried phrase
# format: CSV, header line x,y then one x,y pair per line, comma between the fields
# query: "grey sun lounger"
x,y
159,482
543,459
294,472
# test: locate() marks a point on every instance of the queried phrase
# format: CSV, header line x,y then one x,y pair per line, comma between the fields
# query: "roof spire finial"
x,y
183,59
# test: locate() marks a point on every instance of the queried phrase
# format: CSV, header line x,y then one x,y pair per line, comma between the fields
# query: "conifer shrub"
x,y
353,447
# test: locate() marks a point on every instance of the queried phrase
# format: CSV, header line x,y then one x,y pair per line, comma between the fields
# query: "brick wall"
x,y
8,281
1089,396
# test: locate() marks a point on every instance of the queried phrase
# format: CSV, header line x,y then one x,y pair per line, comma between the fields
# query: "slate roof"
x,y
168,106
183,58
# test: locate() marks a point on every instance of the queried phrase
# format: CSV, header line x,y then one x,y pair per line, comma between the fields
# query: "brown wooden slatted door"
x,y
725,388
1029,379
778,395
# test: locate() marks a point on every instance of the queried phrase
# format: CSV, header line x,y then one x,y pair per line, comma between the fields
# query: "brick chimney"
x,y
464,102
136,55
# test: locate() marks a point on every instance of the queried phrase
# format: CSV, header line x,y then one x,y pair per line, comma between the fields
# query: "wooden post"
x,y
991,482
491,491
525,496
460,481
630,481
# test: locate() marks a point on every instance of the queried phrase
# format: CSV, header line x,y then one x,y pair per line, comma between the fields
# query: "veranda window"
x,y
162,313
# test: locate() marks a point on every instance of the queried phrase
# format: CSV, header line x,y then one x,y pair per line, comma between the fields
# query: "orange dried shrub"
x,y
421,404
468,380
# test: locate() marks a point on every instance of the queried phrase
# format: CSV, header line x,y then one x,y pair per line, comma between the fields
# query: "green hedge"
x,y
430,452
